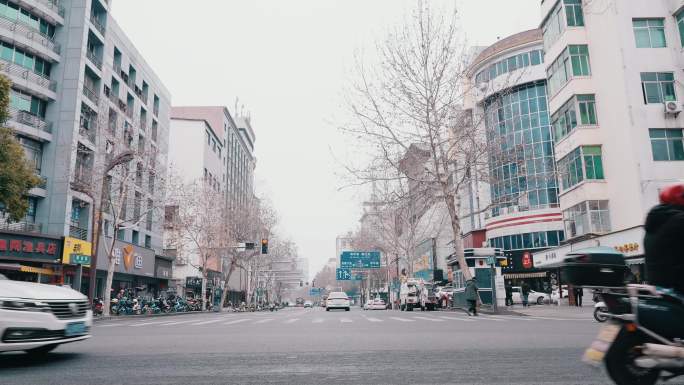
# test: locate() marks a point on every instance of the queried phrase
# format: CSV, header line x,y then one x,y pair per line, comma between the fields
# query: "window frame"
x,y
658,83
649,29
669,143
575,164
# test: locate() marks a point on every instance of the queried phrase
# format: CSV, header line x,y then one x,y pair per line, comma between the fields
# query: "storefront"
x,y
520,268
25,257
134,269
162,271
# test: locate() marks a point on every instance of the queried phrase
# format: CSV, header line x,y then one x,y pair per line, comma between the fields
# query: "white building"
x,y
615,96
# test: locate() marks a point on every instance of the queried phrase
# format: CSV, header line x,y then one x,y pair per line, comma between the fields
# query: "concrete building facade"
x,y
77,81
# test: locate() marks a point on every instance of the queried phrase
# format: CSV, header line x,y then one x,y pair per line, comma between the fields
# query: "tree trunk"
x,y
110,278
458,242
224,292
204,289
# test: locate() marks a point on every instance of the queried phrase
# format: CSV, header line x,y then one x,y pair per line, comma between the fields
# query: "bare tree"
x,y
196,226
410,105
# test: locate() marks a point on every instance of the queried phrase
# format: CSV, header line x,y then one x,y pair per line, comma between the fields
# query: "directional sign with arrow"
x,y
343,274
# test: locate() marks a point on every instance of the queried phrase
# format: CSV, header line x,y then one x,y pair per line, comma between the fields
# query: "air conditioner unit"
x,y
672,108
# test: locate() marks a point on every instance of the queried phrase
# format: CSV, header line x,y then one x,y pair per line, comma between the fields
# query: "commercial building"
x,y
509,104
78,83
614,70
208,144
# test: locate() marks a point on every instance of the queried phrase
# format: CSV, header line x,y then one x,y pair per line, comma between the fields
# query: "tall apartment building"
x,y
509,104
207,143
614,70
72,69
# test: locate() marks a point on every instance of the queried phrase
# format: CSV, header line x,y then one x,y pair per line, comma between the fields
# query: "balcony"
x,y
43,182
26,227
30,33
54,5
88,133
97,24
82,177
92,56
90,94
77,232
16,71
28,119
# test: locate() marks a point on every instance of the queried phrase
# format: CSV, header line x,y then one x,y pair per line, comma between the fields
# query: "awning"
x,y
539,274
37,270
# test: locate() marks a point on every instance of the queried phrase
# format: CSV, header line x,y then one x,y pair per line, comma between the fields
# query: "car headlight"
x,y
23,305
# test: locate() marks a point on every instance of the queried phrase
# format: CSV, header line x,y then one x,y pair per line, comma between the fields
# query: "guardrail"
x,y
30,33
27,227
97,24
21,72
78,232
90,94
94,59
25,118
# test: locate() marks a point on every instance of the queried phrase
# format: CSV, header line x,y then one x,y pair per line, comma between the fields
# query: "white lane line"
x,y
108,325
561,319
487,318
317,321
291,320
457,319
371,319
237,321
512,318
345,320
429,319
402,319
263,321
208,322
176,323
145,324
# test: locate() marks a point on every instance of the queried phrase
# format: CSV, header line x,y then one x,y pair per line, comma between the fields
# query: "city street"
x,y
298,346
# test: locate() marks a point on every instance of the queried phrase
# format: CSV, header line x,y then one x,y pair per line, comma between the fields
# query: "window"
x,y
30,216
573,61
107,228
587,109
649,33
528,240
566,13
510,64
16,55
582,163
135,237
680,25
667,144
121,234
587,217
24,102
148,241
658,87
33,150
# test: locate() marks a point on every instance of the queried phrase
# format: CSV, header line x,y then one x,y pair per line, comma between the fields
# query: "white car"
x,y
533,297
36,318
308,304
368,304
377,304
337,300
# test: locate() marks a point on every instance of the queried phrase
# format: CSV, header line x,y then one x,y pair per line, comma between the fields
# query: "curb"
x,y
139,316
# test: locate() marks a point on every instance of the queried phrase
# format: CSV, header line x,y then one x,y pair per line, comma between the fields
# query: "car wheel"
x,y
326,309
41,351
346,309
540,301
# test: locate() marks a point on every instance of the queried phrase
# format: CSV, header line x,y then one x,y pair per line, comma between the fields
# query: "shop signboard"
x,y
76,252
193,282
29,248
128,258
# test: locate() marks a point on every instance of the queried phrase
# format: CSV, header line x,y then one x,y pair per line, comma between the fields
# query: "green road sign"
x,y
360,259
80,259
343,274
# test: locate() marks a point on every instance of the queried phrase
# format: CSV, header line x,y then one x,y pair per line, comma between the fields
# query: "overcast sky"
x,y
288,62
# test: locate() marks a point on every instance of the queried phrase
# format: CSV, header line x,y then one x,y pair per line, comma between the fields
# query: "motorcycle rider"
x,y
663,240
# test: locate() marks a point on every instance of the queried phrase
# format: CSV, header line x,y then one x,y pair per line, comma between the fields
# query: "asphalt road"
x,y
311,346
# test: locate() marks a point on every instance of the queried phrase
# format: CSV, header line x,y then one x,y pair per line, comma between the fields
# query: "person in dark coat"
x,y
578,296
509,293
471,296
663,241
525,291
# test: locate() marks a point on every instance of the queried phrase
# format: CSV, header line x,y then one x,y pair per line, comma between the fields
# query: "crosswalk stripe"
x,y
263,321
402,319
237,321
489,318
317,321
175,323
291,320
146,323
457,319
208,322
429,319
560,319
109,325
345,320
512,318
371,319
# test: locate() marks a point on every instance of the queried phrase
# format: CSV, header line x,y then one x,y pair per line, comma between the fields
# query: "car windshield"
x,y
328,191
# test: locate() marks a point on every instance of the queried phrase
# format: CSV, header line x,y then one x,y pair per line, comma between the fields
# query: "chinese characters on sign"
x,y
28,247
360,259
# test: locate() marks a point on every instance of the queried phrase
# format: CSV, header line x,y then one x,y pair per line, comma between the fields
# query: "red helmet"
x,y
673,195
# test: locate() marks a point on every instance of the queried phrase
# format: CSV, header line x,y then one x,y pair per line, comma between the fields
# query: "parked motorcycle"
x,y
98,306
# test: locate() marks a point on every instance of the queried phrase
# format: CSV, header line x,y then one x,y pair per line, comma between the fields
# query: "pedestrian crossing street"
x,y
355,318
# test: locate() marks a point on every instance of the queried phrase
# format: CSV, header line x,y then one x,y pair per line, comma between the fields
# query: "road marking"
x,y
263,321
457,319
108,325
145,324
371,319
561,319
511,318
237,321
175,323
429,319
345,320
489,318
291,320
317,321
208,322
402,319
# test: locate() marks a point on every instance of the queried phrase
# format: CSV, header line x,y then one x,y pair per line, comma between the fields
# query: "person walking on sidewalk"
x,y
525,291
579,293
471,296
509,293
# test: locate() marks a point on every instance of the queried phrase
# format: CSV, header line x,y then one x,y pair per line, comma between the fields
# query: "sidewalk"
x,y
564,311
138,316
